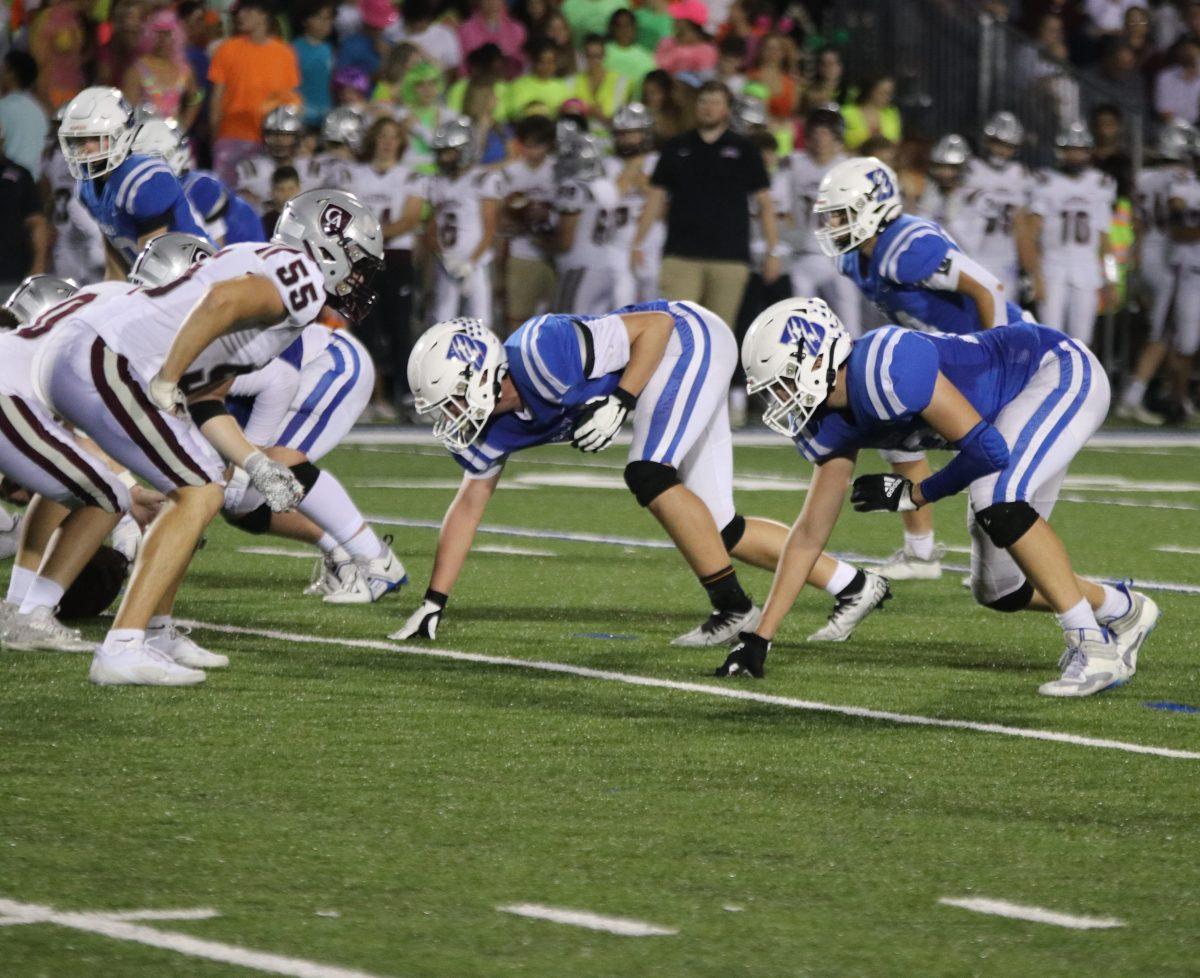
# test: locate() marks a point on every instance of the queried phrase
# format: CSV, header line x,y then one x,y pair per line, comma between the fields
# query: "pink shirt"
x,y
507,34
694,10
674,57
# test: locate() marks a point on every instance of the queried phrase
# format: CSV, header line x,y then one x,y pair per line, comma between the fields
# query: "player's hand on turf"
x,y
145,504
279,487
601,419
747,657
423,623
872,493
167,396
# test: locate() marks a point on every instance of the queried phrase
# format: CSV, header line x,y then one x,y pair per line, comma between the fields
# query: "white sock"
x,y
18,584
841,577
7,521
120,639
364,545
329,506
42,593
1116,604
327,543
920,545
1077,617
1134,392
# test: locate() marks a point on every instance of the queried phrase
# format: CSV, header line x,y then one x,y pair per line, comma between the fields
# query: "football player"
x,y
77,252
132,197
947,201
342,133
282,130
585,238
630,169
918,277
1071,212
1184,209
123,364
986,395
666,366
464,205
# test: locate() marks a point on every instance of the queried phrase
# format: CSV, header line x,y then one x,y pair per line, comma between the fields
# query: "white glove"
x,y
601,419
460,271
281,490
167,397
423,623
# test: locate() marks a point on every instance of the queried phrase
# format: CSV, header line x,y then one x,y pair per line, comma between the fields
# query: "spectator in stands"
x,y
775,67
744,23
22,119
120,49
1177,90
493,24
1041,67
25,249
56,41
658,95
314,58
1136,35
366,47
590,16
558,31
439,42
389,89
689,49
485,66
160,76
623,54
654,22
426,111
541,85
731,56
873,113
1111,152
532,14
601,90
1117,70
1107,17
828,85
480,105
251,73
704,182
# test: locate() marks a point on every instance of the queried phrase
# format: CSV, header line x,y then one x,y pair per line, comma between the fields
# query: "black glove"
x,y
872,493
748,656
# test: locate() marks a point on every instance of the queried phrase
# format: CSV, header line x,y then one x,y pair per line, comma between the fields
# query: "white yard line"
x,y
199,913
275,964
731,691
623,926
1039,915
1171,549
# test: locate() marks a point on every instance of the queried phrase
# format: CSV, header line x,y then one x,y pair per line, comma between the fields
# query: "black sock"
x,y
856,585
725,592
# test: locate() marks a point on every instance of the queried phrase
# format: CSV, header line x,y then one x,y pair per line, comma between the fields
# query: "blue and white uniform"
x,y
560,362
140,195
1045,394
226,217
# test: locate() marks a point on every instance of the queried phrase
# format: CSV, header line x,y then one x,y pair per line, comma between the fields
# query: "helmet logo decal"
x,y
798,330
882,184
334,220
470,351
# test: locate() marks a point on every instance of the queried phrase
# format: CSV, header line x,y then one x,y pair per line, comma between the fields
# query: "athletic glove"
x,y
281,490
747,658
601,419
460,271
423,623
167,397
872,493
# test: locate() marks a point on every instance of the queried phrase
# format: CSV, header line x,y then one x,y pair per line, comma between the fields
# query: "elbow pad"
x,y
981,451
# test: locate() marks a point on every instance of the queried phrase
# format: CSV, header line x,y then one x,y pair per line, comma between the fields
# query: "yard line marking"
x,y
310,554
1039,915
278,552
1119,483
1172,549
448,484
624,926
705,689
1135,503
275,964
200,913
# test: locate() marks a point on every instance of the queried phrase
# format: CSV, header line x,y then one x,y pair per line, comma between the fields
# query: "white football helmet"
x,y
791,356
37,294
855,198
167,256
161,137
96,134
343,237
455,371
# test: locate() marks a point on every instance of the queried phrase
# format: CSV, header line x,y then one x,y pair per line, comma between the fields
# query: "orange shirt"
x,y
257,78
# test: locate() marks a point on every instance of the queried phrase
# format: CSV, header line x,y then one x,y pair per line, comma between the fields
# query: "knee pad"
x,y
1006,523
306,474
733,531
1017,600
256,521
649,480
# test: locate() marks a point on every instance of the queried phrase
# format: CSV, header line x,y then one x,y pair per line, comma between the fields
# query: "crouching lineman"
x,y
988,395
560,377
121,365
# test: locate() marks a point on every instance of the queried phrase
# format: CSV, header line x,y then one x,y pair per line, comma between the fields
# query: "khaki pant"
x,y
528,288
718,285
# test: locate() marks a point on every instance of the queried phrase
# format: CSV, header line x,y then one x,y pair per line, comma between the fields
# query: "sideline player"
x,y
282,129
630,168
586,201
668,366
984,394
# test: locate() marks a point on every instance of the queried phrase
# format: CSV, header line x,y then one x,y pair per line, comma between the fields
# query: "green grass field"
x,y
365,810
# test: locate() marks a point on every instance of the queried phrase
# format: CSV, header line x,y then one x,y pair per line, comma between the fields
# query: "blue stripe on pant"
x,y
345,360
664,407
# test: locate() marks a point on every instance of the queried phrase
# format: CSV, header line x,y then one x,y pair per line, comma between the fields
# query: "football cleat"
x,y
1140,413
176,643
852,609
720,628
1134,627
1091,663
140,665
331,572
40,631
372,579
904,565
10,539
8,611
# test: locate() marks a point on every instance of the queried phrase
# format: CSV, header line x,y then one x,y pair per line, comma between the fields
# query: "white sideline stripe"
x,y
310,554
1134,503
624,926
706,689
448,484
277,552
275,964
1172,549
200,913
1039,915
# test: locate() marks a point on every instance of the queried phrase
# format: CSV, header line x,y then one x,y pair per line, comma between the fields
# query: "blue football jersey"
x,y
138,196
890,377
226,216
907,253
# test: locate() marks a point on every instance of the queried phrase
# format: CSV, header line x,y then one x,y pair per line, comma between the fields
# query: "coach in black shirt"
x,y
705,179
25,247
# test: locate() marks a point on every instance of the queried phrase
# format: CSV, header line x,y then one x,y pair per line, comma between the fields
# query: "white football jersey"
x,y
804,175
1075,212
457,204
781,200
536,183
326,170
1186,191
1151,201
959,212
1004,191
631,202
78,251
594,244
385,194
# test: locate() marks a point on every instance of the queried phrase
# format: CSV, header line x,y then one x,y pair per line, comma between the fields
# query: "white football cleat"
x,y
852,609
10,540
8,611
720,628
1091,663
1140,413
331,573
176,643
904,565
372,580
1134,627
140,665
40,631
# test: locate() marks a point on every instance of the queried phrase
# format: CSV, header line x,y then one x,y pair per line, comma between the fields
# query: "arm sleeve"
x,y
981,451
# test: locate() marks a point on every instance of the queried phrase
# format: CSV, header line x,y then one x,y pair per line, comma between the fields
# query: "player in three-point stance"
x,y
1017,403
